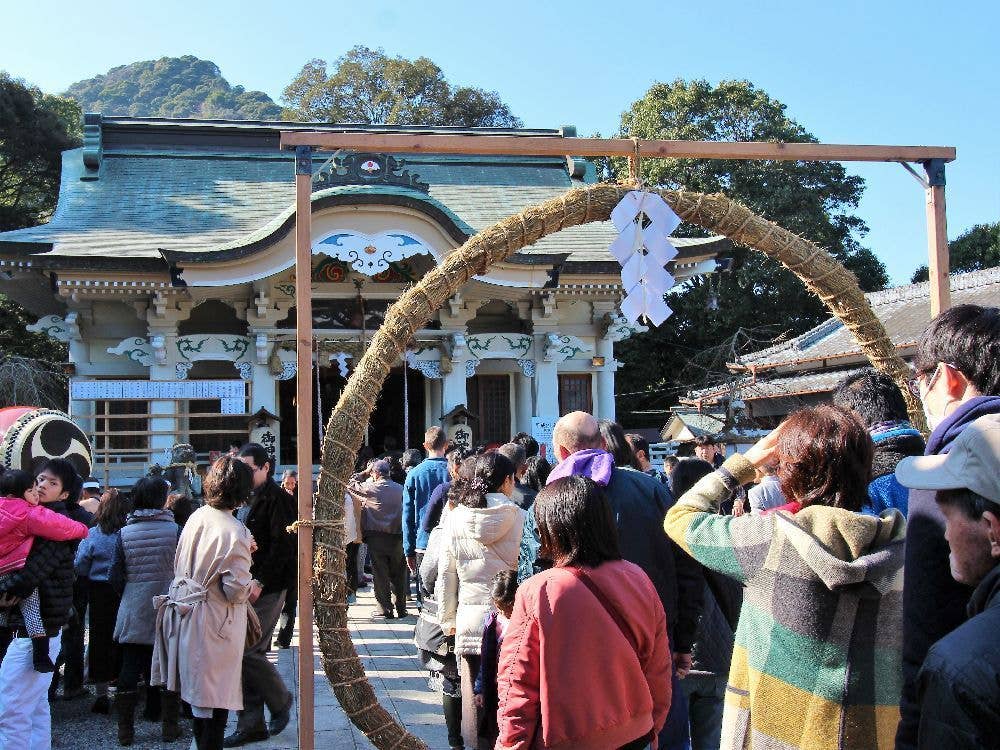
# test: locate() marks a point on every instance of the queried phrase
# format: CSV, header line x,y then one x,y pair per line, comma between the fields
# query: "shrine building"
x,y
168,269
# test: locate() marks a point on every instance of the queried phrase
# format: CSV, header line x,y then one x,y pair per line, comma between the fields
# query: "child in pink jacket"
x,y
21,520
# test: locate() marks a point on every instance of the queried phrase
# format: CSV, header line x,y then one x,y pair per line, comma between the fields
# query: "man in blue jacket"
x,y
417,489
877,400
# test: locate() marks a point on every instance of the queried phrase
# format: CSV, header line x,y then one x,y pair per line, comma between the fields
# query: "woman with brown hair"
x,y
817,659
94,562
202,622
592,625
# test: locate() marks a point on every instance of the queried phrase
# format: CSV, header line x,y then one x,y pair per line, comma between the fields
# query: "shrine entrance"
x,y
387,420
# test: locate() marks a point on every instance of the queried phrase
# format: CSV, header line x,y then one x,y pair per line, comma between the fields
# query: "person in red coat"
x,y
592,620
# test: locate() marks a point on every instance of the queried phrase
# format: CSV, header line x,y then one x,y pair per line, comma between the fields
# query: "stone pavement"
x,y
400,682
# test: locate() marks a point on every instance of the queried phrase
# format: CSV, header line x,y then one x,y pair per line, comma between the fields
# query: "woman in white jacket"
x,y
482,536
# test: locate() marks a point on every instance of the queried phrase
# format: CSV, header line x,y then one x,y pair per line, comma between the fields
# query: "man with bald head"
x,y
639,504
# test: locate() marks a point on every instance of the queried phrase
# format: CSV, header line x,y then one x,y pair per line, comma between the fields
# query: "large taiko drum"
x,y
29,435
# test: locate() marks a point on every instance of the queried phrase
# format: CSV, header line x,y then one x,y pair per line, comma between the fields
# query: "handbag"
x,y
254,631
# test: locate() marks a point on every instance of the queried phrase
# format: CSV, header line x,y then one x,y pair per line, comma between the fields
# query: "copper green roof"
x,y
206,189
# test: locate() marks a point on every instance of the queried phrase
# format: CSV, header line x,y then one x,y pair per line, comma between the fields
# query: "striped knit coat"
x,y
817,660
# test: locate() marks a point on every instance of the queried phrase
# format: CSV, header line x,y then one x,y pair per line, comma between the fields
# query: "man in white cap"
x,y
958,687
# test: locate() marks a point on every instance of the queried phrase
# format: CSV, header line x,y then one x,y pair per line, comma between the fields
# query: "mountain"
x,y
171,87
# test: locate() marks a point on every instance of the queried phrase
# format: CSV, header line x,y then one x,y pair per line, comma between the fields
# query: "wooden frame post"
x,y
937,237
303,412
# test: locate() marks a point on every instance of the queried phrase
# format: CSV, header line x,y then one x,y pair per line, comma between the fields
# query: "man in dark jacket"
x,y
639,504
24,706
958,380
959,684
382,530
877,400
268,516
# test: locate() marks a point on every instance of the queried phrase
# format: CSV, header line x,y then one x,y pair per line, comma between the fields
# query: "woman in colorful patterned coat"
x,y
817,660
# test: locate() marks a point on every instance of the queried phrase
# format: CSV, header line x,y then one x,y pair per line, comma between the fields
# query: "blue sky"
x,y
914,73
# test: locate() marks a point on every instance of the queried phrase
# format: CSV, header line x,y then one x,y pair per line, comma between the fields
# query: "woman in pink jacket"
x,y
593,623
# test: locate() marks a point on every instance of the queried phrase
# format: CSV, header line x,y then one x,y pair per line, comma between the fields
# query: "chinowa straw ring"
x,y
822,274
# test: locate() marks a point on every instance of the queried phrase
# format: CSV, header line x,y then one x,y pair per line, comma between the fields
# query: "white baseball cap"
x,y
973,463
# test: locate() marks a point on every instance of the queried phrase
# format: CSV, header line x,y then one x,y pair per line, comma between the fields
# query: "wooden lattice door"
x,y
489,398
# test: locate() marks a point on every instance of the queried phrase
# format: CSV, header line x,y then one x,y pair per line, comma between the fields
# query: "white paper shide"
x,y
644,221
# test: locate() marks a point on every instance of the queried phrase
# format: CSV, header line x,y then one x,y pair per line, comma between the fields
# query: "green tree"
x,y
33,135
171,87
34,131
973,250
757,298
367,86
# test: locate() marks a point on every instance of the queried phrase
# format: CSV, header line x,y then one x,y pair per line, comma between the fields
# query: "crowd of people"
x,y
834,586
831,587
178,604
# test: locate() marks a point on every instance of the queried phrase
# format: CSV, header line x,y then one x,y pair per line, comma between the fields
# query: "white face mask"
x,y
932,420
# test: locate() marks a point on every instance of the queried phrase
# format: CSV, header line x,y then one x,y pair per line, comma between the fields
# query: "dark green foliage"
x,y
367,86
975,249
33,135
757,300
171,87
34,130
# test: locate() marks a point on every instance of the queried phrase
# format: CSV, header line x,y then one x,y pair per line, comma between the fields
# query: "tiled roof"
x,y
795,384
903,310
181,186
701,423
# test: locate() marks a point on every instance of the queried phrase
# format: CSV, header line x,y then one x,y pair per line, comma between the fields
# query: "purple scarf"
x,y
592,463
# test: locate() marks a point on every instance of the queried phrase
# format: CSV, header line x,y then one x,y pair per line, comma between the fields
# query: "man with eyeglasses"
x,y
957,378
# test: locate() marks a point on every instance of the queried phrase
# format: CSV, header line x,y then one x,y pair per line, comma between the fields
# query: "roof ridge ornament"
x,y
93,147
365,168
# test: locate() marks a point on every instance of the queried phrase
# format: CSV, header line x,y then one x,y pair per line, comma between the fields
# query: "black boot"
x,y
40,655
125,713
153,710
170,709
453,720
215,731
198,729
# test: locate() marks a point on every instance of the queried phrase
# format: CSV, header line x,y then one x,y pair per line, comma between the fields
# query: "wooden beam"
x,y
303,412
559,146
937,238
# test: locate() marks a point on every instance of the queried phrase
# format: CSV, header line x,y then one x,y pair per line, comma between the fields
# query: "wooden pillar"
x,y
304,424
937,237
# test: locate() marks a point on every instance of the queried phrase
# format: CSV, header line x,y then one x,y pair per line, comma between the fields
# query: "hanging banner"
x,y
153,390
541,430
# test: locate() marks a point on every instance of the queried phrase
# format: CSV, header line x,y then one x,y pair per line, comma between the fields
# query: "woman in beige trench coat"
x,y
201,624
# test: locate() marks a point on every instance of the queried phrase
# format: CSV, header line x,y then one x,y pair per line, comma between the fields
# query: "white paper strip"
x,y
643,251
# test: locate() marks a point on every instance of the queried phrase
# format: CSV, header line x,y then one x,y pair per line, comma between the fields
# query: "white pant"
x,y
25,722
